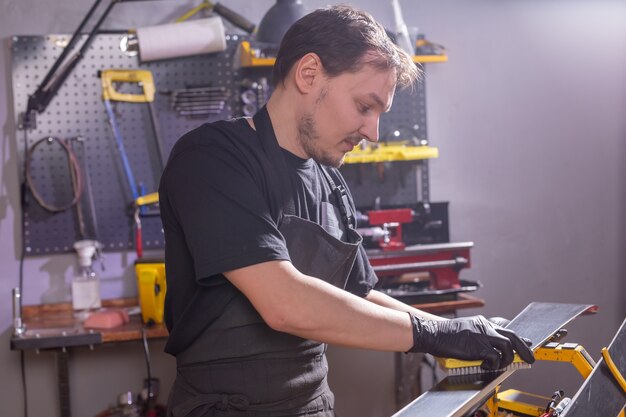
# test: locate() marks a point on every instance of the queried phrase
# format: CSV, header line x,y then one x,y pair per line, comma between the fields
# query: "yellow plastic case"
x,y
152,288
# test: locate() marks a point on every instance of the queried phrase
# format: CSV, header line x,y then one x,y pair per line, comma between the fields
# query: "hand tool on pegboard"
x,y
88,188
140,204
144,79
198,100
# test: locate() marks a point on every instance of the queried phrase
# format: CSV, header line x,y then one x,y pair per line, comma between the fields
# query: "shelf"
x,y
50,326
430,59
250,58
390,153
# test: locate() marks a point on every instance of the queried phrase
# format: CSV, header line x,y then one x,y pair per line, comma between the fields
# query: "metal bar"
x,y
198,112
199,108
78,205
451,263
209,104
70,44
121,151
89,189
197,89
54,339
44,95
192,95
157,135
202,99
418,250
64,382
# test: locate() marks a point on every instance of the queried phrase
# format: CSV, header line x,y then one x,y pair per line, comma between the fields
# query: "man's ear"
x,y
308,70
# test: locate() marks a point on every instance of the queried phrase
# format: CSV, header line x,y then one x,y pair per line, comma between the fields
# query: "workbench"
x,y
53,327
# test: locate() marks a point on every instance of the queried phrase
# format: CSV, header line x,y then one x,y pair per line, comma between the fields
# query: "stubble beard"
x,y
308,138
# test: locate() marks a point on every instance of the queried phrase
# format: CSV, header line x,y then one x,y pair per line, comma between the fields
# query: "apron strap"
x,y
265,133
341,195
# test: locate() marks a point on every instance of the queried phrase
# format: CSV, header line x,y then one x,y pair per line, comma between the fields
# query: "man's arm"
x,y
294,303
384,300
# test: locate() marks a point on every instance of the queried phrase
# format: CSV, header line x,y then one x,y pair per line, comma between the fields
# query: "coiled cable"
x,y
75,172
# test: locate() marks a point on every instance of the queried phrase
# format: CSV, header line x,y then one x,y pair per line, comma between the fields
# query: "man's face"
x,y
346,110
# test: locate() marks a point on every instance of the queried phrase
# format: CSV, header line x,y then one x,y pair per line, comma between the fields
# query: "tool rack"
x,y
78,111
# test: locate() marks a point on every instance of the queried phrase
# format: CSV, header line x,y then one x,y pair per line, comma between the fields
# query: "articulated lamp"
x,y
278,19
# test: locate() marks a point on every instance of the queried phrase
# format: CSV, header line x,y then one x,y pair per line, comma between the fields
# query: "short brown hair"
x,y
345,39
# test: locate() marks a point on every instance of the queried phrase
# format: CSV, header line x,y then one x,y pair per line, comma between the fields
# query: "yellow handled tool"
x,y
144,79
151,198
141,77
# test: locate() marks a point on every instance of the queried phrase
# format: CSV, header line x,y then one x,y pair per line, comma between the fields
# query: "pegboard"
x,y
395,183
78,111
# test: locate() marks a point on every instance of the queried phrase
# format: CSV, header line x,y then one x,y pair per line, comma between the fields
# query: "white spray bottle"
x,y
85,286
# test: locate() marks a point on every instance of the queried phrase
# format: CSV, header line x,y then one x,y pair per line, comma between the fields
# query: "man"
x,y
264,266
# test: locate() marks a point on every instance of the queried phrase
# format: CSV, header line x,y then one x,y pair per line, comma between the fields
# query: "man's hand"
x,y
469,338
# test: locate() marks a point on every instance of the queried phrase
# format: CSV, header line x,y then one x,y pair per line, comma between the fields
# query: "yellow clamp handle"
x,y
616,373
142,77
151,198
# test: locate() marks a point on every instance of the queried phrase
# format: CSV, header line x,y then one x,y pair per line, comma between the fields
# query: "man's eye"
x,y
364,108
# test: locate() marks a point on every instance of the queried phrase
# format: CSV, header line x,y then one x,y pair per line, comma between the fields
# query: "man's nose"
x,y
369,129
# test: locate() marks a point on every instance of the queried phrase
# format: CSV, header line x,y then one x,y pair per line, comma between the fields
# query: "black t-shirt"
x,y
219,213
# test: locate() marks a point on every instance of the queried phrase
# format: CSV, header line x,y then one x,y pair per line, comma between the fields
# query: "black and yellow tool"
x,y
526,404
477,394
585,403
457,367
151,286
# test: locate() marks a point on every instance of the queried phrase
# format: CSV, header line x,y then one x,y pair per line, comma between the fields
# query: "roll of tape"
x,y
175,40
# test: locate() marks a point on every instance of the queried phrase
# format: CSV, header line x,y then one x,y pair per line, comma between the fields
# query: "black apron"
x,y
271,373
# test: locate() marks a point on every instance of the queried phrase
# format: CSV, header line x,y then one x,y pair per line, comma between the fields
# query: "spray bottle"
x,y
85,286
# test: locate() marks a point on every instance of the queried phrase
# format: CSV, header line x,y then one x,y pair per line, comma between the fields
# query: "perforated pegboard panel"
x,y
407,115
392,183
78,110
397,183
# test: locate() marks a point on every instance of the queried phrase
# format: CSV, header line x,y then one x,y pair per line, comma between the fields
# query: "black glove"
x,y
469,338
500,321
503,322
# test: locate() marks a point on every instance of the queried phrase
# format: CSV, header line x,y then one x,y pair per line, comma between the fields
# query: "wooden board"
x,y
458,396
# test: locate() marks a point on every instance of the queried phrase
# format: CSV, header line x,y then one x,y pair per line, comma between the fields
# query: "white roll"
x,y
174,40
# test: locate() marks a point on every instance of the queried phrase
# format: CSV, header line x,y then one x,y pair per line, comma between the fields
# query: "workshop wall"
x,y
528,117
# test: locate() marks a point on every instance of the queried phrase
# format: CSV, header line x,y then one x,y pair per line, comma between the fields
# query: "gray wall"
x,y
529,118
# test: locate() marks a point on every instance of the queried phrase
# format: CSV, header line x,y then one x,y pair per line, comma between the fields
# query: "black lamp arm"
x,y
56,76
